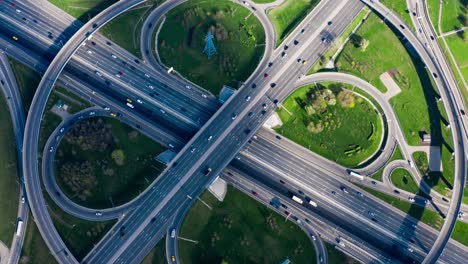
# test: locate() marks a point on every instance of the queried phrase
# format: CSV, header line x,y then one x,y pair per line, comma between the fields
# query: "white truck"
x,y
314,204
357,175
19,227
297,199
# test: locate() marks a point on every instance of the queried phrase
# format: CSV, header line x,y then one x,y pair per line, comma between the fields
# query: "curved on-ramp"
x,y
33,124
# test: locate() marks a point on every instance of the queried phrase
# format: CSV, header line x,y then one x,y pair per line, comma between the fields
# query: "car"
x,y
150,25
413,225
278,137
254,85
204,96
15,38
139,101
432,37
302,31
282,182
324,40
461,215
250,114
329,23
402,27
22,199
360,194
264,106
410,249
272,85
283,54
462,111
113,114
92,113
93,43
411,199
234,116
373,219
106,108
333,192
343,188
265,75
107,82
162,111
320,258
89,52
173,258
284,206
192,150
371,213
374,182
98,213
313,237
296,42
270,64
118,75
129,100
147,75
210,137
151,87
98,73
136,61
113,56
247,98
153,219
434,74
286,47
173,233
304,62
396,191
300,192
254,193
130,105
51,149
188,87
62,129
445,199
18,11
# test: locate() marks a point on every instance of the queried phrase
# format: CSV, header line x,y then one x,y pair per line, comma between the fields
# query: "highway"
x,y
207,140
275,62
33,124
12,96
453,107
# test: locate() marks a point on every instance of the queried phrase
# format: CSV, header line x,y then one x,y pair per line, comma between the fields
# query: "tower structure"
x,y
209,49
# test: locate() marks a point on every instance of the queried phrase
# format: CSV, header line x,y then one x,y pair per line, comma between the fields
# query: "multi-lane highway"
x,y
268,100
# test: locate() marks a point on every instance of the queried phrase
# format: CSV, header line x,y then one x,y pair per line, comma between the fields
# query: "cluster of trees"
x,y
91,134
359,42
79,178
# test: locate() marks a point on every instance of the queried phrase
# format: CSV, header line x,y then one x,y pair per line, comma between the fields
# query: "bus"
x,y
357,175
297,199
19,227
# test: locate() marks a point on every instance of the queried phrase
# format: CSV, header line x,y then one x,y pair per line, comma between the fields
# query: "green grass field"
x,y
386,53
433,7
451,10
158,254
241,230
344,129
9,188
27,80
338,42
263,1
239,40
288,15
458,47
395,156
400,7
425,215
337,257
82,9
126,181
402,179
35,250
125,29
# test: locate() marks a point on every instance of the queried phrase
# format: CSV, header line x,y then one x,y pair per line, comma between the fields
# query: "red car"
x,y
265,75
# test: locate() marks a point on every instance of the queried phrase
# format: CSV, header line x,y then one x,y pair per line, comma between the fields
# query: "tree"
x,y
118,156
356,40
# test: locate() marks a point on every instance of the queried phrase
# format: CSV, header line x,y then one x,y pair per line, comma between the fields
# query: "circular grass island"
x,y
239,39
101,163
333,121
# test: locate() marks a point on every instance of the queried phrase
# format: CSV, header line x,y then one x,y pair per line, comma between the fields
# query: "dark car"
x,y
272,85
254,85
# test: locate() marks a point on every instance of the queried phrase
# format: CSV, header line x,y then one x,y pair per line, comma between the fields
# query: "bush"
x,y
118,156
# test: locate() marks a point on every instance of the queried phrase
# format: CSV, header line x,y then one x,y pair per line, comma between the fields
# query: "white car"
x,y
204,96
89,52
162,111
18,11
92,113
188,87
411,199
98,73
113,56
139,101
147,75
22,199
62,129
51,149
98,213
106,108
151,87
173,233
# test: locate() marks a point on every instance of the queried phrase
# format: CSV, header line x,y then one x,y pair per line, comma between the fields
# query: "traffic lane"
x,y
325,226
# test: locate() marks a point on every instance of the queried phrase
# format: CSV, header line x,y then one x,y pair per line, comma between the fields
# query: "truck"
x,y
314,204
357,175
208,171
297,199
19,227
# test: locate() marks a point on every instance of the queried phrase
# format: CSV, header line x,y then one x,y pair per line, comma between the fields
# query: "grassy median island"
x,y
103,161
9,188
238,37
401,8
402,179
454,14
332,121
288,15
458,44
241,230
83,10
